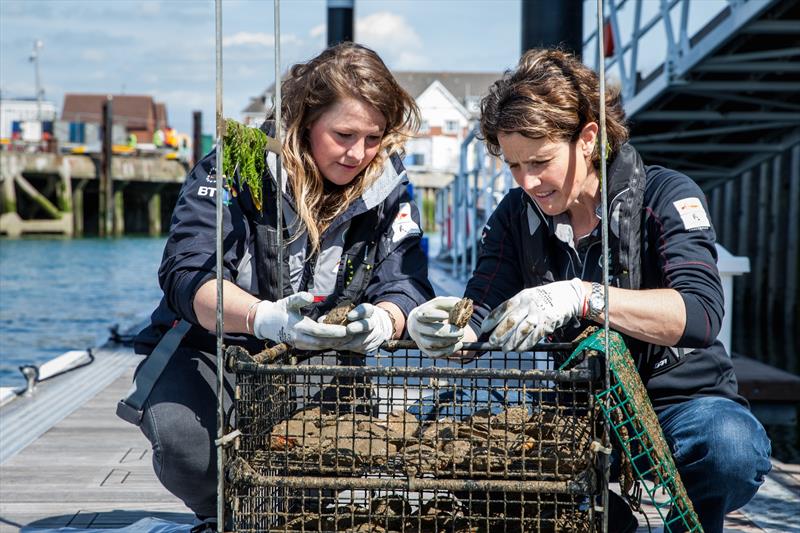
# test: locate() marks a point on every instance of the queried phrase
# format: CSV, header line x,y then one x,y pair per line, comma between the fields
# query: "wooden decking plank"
x,y
89,470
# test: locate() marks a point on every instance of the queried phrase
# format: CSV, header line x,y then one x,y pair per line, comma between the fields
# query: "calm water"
x,y
64,294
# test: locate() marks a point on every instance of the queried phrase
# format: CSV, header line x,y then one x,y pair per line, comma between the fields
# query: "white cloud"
x,y
387,31
93,55
317,31
245,38
411,61
150,7
393,38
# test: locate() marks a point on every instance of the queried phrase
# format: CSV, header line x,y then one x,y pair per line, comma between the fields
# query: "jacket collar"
x,y
393,174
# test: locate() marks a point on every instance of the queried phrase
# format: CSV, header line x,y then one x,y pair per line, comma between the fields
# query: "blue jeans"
x,y
721,452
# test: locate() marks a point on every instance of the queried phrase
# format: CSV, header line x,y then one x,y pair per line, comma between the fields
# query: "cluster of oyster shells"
x,y
505,445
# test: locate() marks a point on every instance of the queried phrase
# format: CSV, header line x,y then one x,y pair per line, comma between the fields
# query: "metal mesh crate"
x,y
401,442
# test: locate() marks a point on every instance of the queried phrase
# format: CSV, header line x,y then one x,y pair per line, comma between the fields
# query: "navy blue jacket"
x,y
400,275
678,252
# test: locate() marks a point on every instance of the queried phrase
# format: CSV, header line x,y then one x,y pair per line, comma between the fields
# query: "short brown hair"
x,y
550,94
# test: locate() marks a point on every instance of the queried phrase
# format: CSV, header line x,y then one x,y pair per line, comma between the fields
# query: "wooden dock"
x,y
90,469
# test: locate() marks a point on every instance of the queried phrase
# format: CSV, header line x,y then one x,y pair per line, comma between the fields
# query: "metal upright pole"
x,y
220,132
279,139
604,222
37,45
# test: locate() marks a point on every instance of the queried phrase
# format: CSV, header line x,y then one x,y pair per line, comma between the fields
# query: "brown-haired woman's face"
x,y
345,139
553,174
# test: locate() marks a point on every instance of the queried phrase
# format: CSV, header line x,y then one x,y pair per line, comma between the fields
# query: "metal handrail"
x,y
463,207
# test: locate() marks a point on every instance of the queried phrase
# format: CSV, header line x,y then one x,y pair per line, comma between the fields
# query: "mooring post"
x,y
105,215
119,208
64,188
197,137
154,212
77,208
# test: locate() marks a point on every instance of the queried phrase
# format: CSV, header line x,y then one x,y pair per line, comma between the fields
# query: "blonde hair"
x,y
346,70
550,94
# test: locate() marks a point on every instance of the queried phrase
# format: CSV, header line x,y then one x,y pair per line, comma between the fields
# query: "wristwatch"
x,y
597,303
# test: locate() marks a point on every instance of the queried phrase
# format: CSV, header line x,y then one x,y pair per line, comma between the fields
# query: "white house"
x,y
449,104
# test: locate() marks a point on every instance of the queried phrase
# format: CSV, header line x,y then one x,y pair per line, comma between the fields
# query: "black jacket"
x,y
522,247
400,274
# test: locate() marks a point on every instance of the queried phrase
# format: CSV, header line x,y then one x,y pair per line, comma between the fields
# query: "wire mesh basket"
x,y
402,442
632,420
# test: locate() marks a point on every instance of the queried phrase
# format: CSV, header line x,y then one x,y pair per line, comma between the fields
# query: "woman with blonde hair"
x,y
540,269
352,235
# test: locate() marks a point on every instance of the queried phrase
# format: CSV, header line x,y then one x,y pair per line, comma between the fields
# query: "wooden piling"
x,y
197,136
78,220
154,213
119,209
105,219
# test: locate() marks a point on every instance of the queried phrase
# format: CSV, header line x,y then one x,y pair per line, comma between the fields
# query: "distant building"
x,y
16,112
138,114
449,105
256,111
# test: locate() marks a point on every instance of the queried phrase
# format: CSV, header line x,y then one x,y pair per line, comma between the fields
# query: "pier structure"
x,y
46,193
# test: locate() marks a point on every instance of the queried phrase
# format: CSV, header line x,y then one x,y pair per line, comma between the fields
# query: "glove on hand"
x,y
369,327
282,321
428,325
533,313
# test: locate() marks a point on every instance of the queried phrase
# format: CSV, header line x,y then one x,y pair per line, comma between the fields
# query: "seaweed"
x,y
244,153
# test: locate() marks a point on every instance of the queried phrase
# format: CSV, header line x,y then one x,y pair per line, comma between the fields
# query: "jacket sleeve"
x,y
683,239
497,275
401,270
189,255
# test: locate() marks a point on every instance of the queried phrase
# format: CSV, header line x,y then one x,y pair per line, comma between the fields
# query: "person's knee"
x,y
183,455
738,454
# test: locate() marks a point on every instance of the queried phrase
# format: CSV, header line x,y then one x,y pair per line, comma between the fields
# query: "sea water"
x,y
59,294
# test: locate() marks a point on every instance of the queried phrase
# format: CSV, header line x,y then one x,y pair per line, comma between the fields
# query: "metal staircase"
x,y
711,87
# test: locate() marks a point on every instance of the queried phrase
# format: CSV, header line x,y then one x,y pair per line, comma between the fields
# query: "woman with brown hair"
x,y
352,236
539,272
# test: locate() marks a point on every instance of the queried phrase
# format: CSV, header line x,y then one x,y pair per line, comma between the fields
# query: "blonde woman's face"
x,y
345,139
553,174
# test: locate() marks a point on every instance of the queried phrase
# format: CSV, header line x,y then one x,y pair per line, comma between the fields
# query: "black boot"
x,y
620,516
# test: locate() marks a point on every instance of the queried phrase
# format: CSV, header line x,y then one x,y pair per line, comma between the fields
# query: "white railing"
x,y
464,206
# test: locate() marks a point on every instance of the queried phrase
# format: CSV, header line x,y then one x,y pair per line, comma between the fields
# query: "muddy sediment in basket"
x,y
395,514
510,444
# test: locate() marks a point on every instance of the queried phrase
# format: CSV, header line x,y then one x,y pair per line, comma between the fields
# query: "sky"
x,y
165,48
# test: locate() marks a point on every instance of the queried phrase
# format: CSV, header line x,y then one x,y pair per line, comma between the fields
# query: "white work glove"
x,y
428,325
369,326
282,321
522,321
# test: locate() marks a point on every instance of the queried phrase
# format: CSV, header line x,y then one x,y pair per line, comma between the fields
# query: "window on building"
x,y
424,126
414,160
451,126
